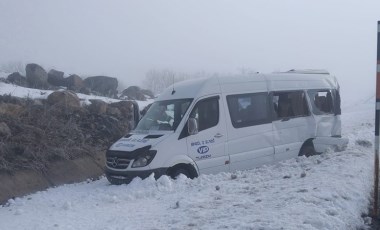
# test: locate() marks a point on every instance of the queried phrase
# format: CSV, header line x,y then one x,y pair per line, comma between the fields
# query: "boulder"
x,y
17,79
36,76
10,109
113,111
105,86
148,93
5,131
55,78
67,99
125,108
133,93
74,82
98,106
85,90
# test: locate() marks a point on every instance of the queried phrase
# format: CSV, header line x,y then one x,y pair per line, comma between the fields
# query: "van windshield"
x,y
164,115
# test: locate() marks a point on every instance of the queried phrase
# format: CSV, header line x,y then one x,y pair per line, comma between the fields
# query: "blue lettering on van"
x,y
124,145
203,149
195,143
136,140
203,157
204,142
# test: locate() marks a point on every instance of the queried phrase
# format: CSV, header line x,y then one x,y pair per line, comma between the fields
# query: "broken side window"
x,y
321,101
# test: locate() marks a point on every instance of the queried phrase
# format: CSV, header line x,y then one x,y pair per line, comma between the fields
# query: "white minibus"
x,y
221,124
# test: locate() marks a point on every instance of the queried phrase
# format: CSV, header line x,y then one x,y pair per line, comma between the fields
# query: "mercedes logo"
x,y
114,162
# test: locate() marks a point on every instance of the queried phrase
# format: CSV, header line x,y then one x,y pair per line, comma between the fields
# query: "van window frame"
x,y
337,102
250,123
275,113
184,133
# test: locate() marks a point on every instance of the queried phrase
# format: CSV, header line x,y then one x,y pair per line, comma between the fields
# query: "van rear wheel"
x,y
307,151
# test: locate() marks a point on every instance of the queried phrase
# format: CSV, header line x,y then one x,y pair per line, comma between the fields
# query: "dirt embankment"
x,y
45,143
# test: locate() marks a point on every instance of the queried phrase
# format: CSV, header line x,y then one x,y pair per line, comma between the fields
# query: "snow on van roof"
x,y
307,71
256,82
190,88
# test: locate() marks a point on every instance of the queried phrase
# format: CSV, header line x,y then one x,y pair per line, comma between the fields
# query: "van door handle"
x,y
218,135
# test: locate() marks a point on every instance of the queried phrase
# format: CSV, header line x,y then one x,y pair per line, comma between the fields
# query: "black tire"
x,y
116,181
307,151
177,171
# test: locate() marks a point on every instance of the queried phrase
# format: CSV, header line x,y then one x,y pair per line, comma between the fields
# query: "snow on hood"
x,y
132,141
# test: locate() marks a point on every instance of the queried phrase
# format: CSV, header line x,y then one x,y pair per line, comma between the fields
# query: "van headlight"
x,y
144,159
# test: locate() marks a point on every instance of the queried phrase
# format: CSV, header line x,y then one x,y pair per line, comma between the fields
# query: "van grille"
x,y
118,162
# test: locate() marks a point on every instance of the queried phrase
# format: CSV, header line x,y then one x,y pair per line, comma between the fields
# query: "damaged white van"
x,y
223,124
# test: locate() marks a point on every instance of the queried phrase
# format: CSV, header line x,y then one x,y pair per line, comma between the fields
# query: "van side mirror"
x,y
192,126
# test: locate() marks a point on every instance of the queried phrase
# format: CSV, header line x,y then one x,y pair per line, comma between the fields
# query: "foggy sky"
x,y
125,39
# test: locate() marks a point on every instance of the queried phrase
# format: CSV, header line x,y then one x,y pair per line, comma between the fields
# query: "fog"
x,y
125,39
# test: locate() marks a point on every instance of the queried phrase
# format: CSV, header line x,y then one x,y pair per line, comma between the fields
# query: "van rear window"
x,y
248,109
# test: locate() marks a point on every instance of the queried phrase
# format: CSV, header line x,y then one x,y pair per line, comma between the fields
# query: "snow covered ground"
x,y
329,191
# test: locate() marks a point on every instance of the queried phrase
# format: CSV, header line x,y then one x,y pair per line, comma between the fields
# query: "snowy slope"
x,y
330,191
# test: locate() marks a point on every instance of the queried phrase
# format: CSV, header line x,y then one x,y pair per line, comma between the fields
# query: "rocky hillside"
x,y
59,138
34,133
37,77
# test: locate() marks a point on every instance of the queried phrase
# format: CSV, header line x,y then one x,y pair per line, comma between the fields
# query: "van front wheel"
x,y
176,172
307,151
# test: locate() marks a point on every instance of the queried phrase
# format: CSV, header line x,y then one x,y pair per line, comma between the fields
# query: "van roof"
x,y
307,71
233,84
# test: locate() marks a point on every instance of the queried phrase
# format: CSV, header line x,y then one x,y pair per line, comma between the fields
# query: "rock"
x,y
67,99
133,93
9,109
85,90
98,107
74,82
113,111
5,131
17,79
38,102
36,76
364,143
55,78
148,93
106,86
125,108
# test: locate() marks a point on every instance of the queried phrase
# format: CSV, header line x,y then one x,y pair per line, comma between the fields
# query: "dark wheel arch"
x,y
307,148
185,169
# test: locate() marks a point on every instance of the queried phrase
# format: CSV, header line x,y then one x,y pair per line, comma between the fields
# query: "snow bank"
x,y
330,191
22,92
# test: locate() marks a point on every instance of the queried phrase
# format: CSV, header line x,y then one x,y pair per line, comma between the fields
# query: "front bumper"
x,y
125,177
